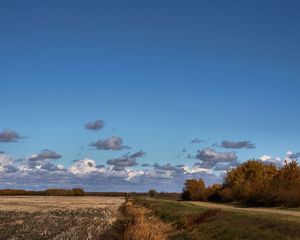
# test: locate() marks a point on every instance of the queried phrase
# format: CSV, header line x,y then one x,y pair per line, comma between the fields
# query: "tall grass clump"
x,y
142,226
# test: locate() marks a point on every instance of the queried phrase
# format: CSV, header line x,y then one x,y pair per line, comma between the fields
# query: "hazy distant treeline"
x,y
252,183
76,192
48,192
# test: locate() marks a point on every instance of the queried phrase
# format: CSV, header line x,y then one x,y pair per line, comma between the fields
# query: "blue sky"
x,y
158,73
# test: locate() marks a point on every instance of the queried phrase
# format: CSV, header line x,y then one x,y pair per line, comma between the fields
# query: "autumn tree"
x,y
152,193
213,193
194,190
77,192
250,182
286,185
254,183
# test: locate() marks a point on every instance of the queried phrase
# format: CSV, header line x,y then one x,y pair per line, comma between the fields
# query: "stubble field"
x,y
59,218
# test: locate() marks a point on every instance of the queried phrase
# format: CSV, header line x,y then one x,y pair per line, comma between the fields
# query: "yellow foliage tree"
x,y
194,190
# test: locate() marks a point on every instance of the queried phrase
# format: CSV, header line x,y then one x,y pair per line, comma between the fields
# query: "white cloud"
x,y
269,159
5,162
85,166
290,156
134,174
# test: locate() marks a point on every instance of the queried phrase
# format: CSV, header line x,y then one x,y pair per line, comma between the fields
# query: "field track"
x,y
260,210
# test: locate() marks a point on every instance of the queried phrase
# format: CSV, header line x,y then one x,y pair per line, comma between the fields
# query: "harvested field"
x,y
35,217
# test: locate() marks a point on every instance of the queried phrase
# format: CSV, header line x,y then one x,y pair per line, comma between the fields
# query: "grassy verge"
x,y
197,223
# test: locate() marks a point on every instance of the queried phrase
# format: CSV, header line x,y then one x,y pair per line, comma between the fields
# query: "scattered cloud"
x,y
210,158
42,161
277,161
112,143
96,125
6,163
39,171
167,167
225,166
206,164
145,165
128,160
210,154
137,154
50,167
8,136
237,145
222,167
196,140
45,154
290,156
180,165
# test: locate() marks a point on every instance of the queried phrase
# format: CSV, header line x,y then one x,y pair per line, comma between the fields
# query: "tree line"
x,y
165,195
48,192
79,192
252,183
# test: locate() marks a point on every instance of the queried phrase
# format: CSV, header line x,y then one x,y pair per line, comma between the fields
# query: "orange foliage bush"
x,y
253,183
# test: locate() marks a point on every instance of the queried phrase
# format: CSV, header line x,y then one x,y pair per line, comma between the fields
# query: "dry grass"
x,y
200,218
142,226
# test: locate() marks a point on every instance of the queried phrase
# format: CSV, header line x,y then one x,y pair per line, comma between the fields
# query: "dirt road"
x,y
261,210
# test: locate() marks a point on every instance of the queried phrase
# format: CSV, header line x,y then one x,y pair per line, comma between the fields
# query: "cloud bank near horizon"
x,y
123,173
120,174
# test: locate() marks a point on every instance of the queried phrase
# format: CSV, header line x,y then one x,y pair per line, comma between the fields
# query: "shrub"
x,y
152,193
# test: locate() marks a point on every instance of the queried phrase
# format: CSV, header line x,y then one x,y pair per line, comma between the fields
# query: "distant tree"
x,y
152,193
65,192
78,192
194,190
